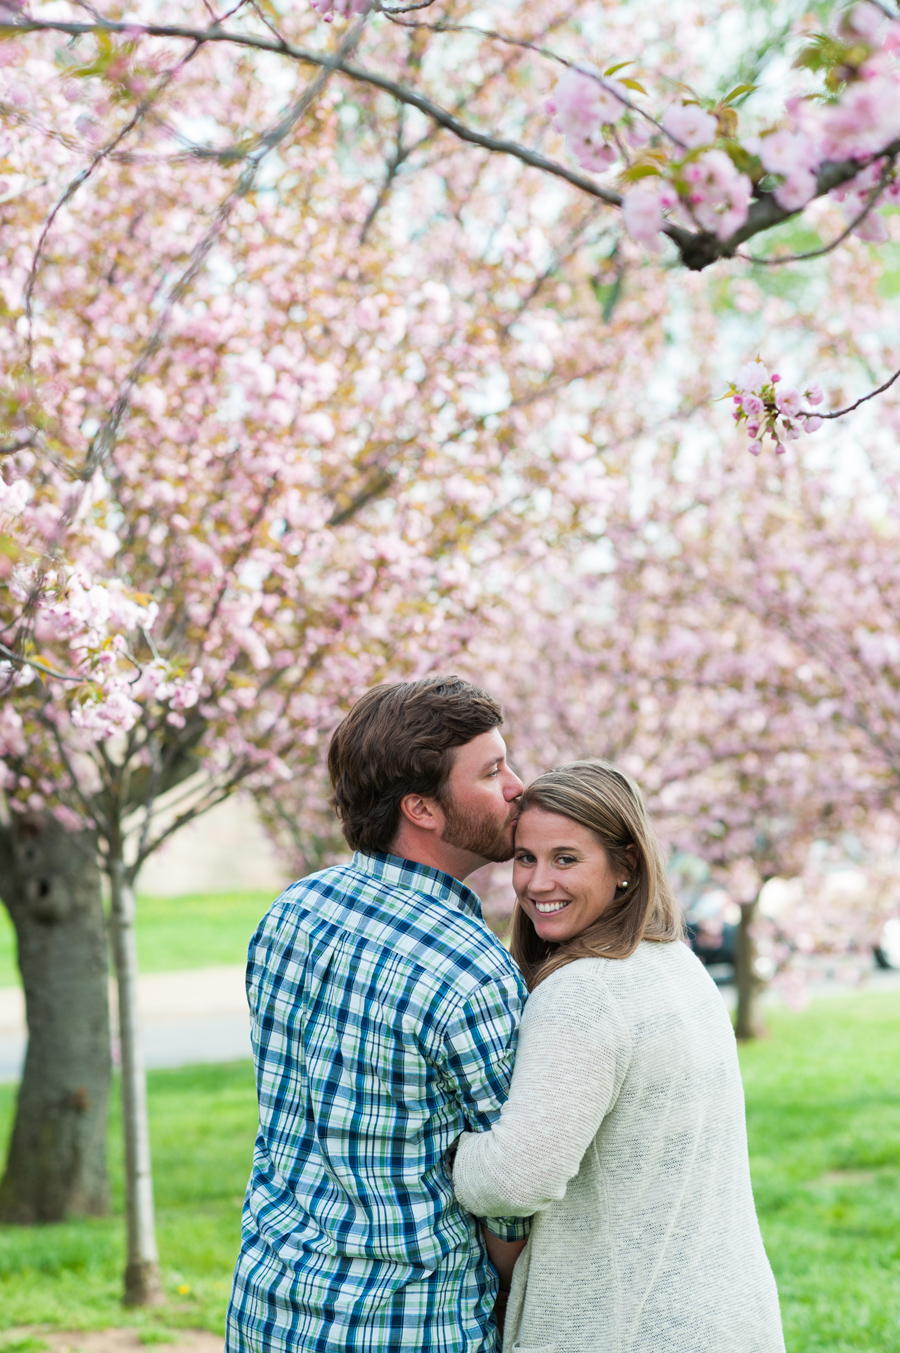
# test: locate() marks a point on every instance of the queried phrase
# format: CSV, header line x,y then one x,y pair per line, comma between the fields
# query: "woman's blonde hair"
x,y
604,799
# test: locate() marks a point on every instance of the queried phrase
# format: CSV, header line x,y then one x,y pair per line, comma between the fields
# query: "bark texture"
x,y
50,884
749,1021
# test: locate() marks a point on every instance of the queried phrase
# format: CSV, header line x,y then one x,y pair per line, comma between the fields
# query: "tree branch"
x,y
402,93
871,202
18,660
698,250
82,177
549,55
21,445
839,413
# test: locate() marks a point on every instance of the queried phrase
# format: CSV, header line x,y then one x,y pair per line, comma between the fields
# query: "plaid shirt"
x,y
384,1018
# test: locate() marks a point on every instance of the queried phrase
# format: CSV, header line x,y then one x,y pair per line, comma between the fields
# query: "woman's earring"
x,y
624,883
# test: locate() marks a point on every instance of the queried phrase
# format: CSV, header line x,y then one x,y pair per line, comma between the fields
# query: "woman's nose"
x,y
541,880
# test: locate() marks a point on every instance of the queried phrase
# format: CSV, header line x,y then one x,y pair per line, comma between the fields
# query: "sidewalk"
x,y
200,1015
194,1015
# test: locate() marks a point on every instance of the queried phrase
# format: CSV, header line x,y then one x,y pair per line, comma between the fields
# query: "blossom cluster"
x,y
695,166
328,8
318,471
768,408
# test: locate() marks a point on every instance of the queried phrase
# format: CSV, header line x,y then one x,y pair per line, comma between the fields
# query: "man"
x,y
384,1025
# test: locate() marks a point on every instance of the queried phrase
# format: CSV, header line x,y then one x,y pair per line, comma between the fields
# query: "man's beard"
x,y
478,833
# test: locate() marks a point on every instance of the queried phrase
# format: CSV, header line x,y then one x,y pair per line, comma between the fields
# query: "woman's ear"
x,y
631,853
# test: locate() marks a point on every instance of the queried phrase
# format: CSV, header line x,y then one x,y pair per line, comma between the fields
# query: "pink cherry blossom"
x,y
328,8
752,377
788,401
865,118
794,155
866,19
643,208
690,125
583,102
719,194
582,99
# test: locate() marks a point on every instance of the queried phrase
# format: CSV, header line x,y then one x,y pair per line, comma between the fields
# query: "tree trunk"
x,y
749,1021
57,1157
142,1278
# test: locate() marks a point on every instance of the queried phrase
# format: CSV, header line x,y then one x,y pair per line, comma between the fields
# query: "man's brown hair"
x,y
399,739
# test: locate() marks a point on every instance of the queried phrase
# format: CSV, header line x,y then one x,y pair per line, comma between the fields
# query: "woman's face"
x,y
562,875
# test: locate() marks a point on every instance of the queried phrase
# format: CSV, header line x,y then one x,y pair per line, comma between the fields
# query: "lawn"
x,y
202,1126
823,1101
175,932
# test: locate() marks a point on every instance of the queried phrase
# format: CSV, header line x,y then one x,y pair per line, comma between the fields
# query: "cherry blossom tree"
x,y
655,646
318,347
312,478
706,169
751,584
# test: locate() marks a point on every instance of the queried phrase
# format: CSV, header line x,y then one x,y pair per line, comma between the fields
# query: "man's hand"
x,y
503,1255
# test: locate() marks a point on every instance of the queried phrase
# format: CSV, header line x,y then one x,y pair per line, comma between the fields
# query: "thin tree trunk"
x,y
49,881
749,1021
142,1277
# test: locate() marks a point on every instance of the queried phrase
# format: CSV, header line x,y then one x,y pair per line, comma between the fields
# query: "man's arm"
x,y
480,1044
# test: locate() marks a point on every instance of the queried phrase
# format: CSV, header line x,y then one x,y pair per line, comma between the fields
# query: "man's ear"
x,y
421,812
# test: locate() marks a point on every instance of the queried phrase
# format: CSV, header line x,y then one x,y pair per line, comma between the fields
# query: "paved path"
x,y
196,1015
200,1015
112,1340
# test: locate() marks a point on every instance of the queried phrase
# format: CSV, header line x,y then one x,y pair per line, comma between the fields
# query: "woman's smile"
x,y
562,874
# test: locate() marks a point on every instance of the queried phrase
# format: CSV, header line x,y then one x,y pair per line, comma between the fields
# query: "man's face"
x,y
480,799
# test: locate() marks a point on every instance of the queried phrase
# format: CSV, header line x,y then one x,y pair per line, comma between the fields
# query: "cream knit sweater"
x,y
624,1133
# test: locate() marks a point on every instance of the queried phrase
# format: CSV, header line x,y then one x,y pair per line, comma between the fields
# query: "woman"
x,y
624,1130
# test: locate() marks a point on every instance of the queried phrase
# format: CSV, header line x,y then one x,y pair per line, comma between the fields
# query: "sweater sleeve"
x,y
573,1053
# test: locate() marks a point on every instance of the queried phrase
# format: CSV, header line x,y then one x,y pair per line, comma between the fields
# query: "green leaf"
x,y
607,294
611,70
640,171
633,84
738,91
612,300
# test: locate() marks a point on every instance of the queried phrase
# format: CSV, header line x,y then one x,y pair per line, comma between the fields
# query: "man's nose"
x,y
514,788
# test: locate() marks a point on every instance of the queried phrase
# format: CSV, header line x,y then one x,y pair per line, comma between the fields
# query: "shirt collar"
x,y
421,878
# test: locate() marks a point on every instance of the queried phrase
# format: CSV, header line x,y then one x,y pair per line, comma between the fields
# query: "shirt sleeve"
x,y
480,1048
573,1053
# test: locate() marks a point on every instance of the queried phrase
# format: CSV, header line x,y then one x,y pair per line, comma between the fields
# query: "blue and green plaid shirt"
x,y
384,1018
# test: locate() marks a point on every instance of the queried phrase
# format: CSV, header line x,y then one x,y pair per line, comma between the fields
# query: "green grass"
x,y
196,931
823,1106
823,1113
68,1276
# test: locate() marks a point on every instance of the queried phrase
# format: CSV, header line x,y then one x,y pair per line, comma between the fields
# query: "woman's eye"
x,y
566,859
524,859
